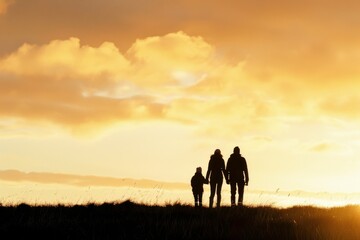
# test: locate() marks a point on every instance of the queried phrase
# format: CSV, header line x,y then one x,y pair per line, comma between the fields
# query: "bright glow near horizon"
x,y
151,96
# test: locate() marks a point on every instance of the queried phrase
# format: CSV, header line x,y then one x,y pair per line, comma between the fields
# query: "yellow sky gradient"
x,y
133,89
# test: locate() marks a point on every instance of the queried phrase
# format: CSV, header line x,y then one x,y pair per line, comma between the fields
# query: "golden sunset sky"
x,y
148,89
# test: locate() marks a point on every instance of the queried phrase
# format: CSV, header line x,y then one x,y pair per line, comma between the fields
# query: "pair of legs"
x,y
240,187
215,185
198,199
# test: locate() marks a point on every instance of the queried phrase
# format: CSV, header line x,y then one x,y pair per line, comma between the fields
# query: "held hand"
x,y
207,181
246,183
227,182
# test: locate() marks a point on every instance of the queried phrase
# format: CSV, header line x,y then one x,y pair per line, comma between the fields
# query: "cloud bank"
x,y
174,77
85,181
69,64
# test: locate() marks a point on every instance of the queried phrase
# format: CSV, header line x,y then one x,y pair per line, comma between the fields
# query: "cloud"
x,y
175,77
71,85
79,86
174,49
62,58
85,181
295,48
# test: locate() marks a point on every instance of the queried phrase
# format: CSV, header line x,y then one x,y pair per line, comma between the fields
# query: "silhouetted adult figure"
x,y
215,171
238,175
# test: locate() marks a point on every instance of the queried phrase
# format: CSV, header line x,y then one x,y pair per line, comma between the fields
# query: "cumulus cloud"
x,y
71,85
176,77
64,58
293,48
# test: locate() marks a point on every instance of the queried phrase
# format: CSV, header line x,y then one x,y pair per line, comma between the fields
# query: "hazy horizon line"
x,y
13,175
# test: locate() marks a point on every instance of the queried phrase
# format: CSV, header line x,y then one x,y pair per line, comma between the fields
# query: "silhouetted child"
x,y
197,182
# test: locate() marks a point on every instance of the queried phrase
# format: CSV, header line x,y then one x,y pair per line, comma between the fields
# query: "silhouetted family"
x,y
235,173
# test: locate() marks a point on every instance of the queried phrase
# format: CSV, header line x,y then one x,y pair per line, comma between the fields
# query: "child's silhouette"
x,y
197,182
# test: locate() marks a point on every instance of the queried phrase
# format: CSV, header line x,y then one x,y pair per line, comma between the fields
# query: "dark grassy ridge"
x,y
133,221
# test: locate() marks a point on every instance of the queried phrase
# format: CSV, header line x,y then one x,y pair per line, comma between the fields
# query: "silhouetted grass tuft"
x,y
128,220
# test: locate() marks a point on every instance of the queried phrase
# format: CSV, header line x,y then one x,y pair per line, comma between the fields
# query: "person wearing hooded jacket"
x,y
216,170
197,182
237,175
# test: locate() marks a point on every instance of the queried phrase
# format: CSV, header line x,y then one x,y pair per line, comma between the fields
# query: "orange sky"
x,y
149,89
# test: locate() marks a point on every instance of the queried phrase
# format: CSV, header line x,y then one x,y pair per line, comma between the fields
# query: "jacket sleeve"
x,y
204,180
228,167
224,170
246,171
209,170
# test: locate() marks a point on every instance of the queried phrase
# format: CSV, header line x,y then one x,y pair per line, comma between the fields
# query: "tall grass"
x,y
128,220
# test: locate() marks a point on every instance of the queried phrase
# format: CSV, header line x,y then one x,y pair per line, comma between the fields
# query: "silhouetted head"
x,y
236,150
198,169
217,152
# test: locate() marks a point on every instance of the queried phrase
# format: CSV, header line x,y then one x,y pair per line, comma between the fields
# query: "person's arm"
x,y
224,170
246,173
208,171
227,169
205,181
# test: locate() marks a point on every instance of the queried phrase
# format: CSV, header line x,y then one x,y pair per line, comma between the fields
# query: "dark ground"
x,y
132,221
